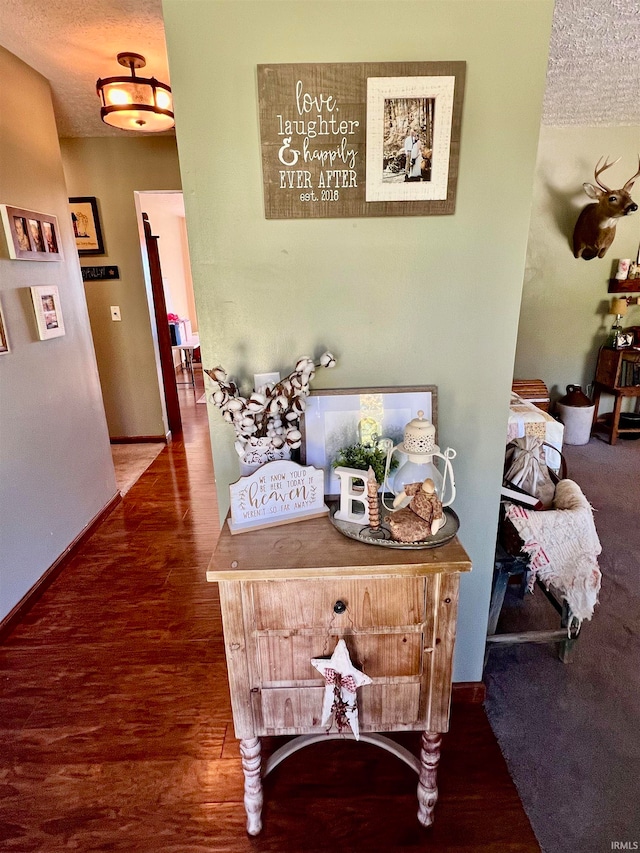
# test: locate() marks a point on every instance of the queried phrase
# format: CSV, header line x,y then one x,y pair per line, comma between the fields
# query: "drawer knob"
x,y
339,606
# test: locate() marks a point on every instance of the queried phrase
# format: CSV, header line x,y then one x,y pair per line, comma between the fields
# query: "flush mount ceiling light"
x,y
135,103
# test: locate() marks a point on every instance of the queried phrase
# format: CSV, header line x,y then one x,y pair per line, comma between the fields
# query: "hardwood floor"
x,y
131,461
115,721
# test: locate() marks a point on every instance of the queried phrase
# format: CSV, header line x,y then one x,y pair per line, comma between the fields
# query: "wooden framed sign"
x,y
279,492
99,273
360,139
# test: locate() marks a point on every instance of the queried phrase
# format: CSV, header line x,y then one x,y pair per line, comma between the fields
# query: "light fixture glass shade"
x,y
143,104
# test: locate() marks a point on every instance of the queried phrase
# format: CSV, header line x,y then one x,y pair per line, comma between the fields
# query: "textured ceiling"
x,y
73,42
593,77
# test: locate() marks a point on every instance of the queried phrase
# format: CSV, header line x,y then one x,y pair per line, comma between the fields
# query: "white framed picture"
x,y
4,340
46,304
413,115
337,418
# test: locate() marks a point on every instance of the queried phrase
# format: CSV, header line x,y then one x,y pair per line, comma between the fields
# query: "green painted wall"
x,y
112,169
56,471
400,301
563,319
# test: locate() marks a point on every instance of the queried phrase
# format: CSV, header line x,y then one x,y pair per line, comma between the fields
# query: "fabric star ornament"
x,y
342,680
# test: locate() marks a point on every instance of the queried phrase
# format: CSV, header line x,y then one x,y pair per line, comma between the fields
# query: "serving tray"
x,y
382,537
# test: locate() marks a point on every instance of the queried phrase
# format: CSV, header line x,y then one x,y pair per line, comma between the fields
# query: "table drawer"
x,y
287,658
381,707
371,603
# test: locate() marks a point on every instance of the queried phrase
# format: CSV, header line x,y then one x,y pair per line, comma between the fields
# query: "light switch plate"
x,y
115,313
262,379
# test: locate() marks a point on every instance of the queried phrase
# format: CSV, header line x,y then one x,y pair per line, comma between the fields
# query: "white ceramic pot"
x,y
259,451
577,422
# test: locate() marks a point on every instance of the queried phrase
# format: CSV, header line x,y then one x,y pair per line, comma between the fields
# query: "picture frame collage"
x,y
31,236
34,236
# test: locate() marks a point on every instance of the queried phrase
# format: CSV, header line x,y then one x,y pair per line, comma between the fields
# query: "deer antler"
x,y
599,171
627,186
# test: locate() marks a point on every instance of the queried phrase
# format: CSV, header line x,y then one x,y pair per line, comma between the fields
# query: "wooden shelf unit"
x,y
627,285
282,590
610,374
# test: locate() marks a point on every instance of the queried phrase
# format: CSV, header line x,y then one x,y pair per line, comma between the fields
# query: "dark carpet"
x,y
571,732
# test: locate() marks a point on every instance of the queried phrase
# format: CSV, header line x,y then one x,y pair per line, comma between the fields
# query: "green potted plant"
x,y
362,457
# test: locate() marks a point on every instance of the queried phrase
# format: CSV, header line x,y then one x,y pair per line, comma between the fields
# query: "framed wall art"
x,y
409,123
336,418
86,225
360,139
31,236
4,341
100,273
46,304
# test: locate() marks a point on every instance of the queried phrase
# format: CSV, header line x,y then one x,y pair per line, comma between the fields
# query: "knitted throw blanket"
x,y
563,546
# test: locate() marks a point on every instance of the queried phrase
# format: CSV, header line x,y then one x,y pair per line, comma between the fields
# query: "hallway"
x,y
115,721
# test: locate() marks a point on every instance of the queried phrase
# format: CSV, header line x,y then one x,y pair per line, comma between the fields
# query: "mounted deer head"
x,y
596,225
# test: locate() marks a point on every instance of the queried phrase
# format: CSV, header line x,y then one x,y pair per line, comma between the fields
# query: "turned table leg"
x,y
427,788
250,752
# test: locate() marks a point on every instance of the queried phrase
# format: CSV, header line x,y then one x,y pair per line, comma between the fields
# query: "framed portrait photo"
x,y
4,341
31,236
337,418
86,225
412,141
46,304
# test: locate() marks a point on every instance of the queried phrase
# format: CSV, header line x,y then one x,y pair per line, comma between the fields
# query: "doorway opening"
x,y
174,325
171,298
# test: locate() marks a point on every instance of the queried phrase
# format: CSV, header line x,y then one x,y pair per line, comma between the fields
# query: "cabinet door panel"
x,y
388,706
288,658
380,707
290,709
371,603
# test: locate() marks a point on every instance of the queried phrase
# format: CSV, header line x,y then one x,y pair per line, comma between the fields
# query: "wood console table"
x,y
614,375
282,593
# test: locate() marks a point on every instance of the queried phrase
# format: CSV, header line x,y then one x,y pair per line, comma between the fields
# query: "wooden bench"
x,y
510,566
507,567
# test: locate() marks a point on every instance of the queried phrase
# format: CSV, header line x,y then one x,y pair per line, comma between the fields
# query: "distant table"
x,y
186,350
